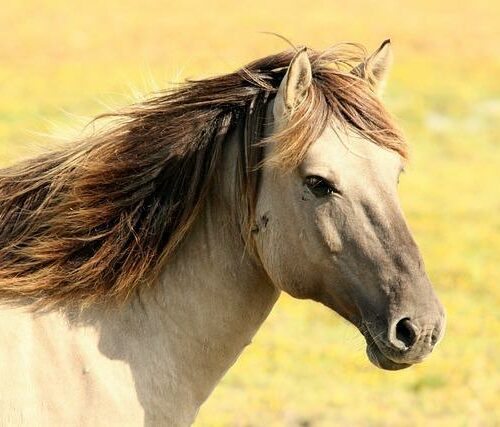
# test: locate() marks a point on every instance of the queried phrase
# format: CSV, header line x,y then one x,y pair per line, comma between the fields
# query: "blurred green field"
x,y
61,61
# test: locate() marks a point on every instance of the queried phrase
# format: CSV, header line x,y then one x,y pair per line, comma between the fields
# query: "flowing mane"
x,y
98,218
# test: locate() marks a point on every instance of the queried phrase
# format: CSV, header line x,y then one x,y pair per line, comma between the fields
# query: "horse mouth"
x,y
382,361
378,358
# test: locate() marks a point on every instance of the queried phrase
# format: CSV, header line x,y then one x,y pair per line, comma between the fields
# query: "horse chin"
x,y
382,361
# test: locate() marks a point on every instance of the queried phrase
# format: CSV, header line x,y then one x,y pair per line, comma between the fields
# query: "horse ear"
x,y
375,70
295,84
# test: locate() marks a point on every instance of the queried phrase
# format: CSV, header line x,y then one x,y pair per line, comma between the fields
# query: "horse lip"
x,y
381,361
377,357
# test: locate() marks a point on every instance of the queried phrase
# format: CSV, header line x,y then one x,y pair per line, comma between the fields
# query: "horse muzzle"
x,y
404,343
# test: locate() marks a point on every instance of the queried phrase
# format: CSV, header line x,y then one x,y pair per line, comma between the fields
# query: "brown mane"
x,y
95,220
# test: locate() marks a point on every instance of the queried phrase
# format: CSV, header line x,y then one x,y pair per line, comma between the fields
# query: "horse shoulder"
x,y
53,373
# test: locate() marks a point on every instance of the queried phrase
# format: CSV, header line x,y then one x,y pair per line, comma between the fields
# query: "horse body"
x,y
54,374
329,228
154,360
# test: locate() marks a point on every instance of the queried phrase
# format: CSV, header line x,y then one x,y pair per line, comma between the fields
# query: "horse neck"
x,y
187,331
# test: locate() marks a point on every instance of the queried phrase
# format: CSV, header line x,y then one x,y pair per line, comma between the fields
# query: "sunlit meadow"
x,y
63,61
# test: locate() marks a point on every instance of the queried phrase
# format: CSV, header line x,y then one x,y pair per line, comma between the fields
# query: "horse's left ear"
x,y
375,70
294,86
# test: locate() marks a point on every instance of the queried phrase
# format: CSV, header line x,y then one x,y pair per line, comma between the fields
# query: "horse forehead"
x,y
336,149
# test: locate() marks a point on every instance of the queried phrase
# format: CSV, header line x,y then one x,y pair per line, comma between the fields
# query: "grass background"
x,y
61,60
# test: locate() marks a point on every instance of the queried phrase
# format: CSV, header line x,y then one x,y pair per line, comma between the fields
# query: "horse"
x,y
138,262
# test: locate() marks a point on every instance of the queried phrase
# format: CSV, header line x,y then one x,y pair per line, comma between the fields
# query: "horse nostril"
x,y
434,337
406,332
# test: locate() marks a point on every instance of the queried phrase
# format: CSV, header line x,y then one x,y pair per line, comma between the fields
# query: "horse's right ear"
x,y
294,86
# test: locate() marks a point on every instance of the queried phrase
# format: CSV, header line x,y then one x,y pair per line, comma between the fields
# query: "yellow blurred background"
x,y
61,60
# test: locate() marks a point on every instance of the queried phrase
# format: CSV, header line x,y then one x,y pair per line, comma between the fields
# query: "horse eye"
x,y
320,187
